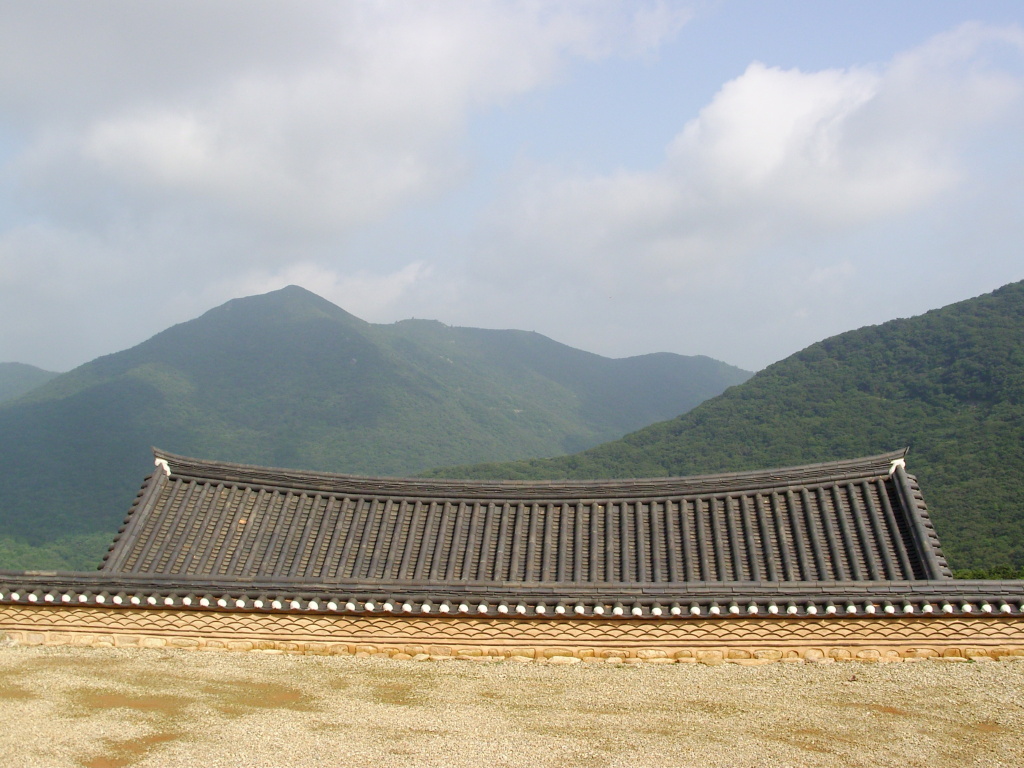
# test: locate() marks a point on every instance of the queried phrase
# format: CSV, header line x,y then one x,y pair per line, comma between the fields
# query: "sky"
x,y
729,178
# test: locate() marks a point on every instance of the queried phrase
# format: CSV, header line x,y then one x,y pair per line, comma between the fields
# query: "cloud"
x,y
159,158
311,120
203,149
779,158
796,204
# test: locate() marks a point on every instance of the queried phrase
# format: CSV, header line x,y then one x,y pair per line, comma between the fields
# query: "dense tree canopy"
x,y
949,384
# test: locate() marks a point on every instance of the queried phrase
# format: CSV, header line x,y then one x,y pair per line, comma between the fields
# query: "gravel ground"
x,y
110,708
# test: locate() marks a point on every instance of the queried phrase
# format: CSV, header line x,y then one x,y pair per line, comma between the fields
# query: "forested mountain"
x,y
18,378
949,384
289,379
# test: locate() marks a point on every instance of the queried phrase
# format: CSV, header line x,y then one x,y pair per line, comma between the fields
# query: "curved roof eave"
x,y
329,482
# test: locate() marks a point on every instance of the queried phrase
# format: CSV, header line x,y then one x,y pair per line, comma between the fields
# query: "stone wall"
x,y
558,641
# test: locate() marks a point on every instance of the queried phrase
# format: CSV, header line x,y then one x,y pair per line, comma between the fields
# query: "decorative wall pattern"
x,y
245,631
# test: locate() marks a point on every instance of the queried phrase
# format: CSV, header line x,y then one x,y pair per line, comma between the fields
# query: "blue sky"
x,y
736,179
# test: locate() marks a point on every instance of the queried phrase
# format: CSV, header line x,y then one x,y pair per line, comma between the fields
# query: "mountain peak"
x,y
292,302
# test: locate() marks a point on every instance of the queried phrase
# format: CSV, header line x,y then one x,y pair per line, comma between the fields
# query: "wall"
x,y
742,640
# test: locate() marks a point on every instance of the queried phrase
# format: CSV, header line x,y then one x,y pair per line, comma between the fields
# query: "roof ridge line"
x,y
184,466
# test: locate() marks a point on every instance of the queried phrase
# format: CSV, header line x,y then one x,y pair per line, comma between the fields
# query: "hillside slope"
x,y
18,378
949,384
289,379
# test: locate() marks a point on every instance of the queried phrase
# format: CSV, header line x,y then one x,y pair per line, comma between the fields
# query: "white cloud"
x,y
778,158
766,121
352,111
208,149
162,157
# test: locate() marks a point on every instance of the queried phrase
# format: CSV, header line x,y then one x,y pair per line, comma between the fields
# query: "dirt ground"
x,y
112,708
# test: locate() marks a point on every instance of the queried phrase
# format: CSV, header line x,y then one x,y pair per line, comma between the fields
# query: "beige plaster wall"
x,y
740,640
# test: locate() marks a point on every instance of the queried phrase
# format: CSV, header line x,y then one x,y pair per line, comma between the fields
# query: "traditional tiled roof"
x,y
848,538
838,522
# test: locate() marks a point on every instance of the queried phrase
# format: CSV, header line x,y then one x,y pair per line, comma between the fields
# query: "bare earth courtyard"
x,y
109,708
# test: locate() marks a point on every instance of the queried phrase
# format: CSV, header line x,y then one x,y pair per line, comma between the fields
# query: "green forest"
x,y
948,384
289,379
17,378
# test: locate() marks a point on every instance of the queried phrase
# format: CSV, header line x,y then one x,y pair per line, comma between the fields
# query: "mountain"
x,y
289,379
17,378
949,384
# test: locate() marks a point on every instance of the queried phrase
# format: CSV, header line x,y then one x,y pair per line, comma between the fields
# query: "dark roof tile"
x,y
838,522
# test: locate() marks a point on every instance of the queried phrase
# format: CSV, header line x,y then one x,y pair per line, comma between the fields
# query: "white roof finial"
x,y
162,463
900,462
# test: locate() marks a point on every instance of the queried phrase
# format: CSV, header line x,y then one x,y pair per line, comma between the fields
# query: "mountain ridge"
x,y
948,383
289,379
18,379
